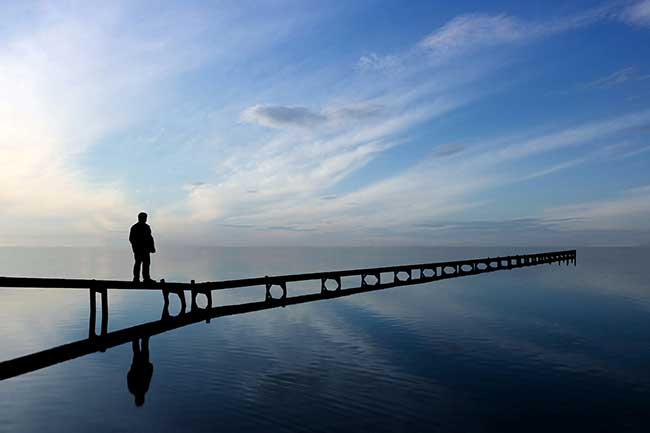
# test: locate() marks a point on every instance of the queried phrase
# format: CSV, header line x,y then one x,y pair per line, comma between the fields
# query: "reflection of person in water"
x,y
139,376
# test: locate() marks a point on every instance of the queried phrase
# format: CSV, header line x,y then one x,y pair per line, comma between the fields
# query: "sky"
x,y
340,123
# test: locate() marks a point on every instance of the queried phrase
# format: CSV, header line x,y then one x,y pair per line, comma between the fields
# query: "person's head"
x,y
142,217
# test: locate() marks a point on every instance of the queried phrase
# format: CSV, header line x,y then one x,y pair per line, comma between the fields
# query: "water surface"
x,y
545,348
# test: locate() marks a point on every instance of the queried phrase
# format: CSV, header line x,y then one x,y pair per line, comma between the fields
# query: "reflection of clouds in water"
x,y
616,273
36,319
401,348
325,337
489,335
296,355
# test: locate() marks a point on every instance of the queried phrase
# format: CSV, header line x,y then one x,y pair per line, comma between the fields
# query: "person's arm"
x,y
152,245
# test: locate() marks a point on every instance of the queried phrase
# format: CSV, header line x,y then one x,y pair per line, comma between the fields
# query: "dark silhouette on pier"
x,y
143,245
403,275
139,375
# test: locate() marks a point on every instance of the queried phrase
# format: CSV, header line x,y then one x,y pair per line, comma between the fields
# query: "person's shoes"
x,y
149,281
136,280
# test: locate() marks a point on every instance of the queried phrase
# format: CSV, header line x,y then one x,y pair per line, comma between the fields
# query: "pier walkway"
x,y
330,280
396,276
423,271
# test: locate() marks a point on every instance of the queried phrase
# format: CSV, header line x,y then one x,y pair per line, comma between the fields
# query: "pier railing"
x,y
397,275
377,277
394,276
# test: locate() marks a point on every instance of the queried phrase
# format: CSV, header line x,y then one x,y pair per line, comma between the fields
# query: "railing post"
x,y
92,322
193,295
93,314
104,295
165,294
208,294
181,294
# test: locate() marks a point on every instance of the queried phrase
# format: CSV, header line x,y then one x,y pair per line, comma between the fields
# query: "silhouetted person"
x,y
139,375
142,244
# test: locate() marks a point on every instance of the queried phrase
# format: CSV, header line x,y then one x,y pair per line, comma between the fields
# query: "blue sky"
x,y
326,123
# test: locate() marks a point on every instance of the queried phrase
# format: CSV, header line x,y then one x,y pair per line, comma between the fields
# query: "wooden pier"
x,y
422,271
397,276
400,274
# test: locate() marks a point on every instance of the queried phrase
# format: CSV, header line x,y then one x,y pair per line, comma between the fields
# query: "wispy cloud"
x,y
636,152
71,78
572,136
274,161
447,149
46,123
637,13
278,116
292,171
373,61
469,33
625,75
629,210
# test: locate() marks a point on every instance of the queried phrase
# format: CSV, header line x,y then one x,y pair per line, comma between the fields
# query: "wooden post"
x,y
92,322
104,294
165,293
93,314
181,294
268,288
193,294
283,285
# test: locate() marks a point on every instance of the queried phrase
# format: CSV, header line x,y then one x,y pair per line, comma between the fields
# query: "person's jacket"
x,y
141,239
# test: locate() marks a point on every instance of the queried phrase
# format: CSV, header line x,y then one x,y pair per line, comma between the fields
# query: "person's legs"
x,y
146,263
136,266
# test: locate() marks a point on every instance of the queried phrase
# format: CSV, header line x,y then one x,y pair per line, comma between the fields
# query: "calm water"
x,y
545,348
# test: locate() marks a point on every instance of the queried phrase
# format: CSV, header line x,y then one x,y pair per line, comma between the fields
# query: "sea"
x,y
547,348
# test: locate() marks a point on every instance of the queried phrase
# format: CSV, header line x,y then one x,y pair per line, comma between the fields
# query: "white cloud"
x,y
569,137
70,80
556,167
636,152
621,76
373,61
629,210
275,116
293,169
66,81
469,33
437,189
279,116
473,31
637,14
447,149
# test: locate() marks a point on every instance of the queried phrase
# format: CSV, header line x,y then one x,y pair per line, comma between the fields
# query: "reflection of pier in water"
x,y
397,276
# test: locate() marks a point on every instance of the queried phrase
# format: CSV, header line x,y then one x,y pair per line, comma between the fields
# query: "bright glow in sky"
x,y
326,123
